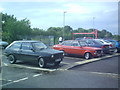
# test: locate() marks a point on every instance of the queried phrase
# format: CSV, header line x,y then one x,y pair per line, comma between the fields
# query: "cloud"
x,y
75,8
1,9
110,10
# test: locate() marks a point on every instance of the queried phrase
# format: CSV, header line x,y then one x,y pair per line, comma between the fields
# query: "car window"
x,y
107,41
66,43
90,42
83,43
75,43
15,46
39,45
26,46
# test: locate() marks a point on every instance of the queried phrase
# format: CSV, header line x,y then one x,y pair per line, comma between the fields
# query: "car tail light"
x,y
102,46
111,45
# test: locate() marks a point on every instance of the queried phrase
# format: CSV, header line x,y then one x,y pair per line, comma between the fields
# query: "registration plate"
x,y
57,60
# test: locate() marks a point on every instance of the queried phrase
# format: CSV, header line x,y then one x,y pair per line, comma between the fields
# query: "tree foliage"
x,y
13,29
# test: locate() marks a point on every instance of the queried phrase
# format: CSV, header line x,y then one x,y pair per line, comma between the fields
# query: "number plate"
x,y
57,60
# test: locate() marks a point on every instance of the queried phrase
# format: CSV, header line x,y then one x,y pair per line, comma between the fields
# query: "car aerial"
x,y
107,48
3,44
78,47
116,44
33,51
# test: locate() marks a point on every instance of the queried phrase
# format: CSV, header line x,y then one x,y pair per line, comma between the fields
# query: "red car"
x,y
78,48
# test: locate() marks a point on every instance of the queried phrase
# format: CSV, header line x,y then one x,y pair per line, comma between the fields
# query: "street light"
x,y
64,22
93,24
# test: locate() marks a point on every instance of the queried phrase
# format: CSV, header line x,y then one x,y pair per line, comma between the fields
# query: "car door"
x,y
76,48
14,49
66,45
27,52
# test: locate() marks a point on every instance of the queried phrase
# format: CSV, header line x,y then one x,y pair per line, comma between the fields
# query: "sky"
x,y
79,14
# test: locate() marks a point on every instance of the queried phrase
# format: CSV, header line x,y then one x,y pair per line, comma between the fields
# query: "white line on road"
x,y
14,81
21,79
37,75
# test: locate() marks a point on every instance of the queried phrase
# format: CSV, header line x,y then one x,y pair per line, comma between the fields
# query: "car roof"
x,y
26,41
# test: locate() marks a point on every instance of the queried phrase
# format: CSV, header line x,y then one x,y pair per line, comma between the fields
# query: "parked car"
x,y
116,44
3,44
106,42
107,48
33,51
78,47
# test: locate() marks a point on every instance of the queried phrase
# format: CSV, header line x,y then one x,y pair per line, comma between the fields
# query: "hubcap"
x,y
87,56
11,59
41,62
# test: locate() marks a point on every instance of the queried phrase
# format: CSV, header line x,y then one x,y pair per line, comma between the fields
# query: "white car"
x,y
106,42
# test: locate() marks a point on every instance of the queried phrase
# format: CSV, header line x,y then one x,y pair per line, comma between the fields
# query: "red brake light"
x,y
102,46
111,45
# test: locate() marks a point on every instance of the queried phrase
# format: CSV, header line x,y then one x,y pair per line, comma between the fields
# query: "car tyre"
x,y
87,55
41,63
116,50
11,59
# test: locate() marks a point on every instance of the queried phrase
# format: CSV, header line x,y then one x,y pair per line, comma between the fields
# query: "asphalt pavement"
x,y
99,74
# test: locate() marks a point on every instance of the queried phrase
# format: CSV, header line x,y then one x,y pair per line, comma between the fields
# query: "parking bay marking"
x,y
14,81
34,68
37,75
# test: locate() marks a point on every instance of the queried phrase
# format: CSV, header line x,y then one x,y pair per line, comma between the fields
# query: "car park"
x,y
78,47
116,44
33,51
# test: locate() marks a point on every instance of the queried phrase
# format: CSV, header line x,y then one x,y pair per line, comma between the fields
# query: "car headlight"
x,y
95,52
52,56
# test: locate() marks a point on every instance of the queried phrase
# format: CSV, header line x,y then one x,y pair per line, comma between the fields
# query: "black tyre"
x,y
87,55
11,59
41,63
116,50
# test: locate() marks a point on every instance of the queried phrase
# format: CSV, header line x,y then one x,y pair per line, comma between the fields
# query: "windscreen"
x,y
39,45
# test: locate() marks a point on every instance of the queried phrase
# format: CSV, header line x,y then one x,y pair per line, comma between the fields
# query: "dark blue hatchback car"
x,y
35,51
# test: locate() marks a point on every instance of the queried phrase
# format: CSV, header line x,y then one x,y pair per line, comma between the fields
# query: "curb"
x,y
89,61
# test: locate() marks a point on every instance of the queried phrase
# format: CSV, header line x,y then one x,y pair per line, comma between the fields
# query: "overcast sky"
x,y
78,14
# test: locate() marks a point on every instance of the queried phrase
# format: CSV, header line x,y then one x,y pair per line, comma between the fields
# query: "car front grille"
x,y
59,55
99,51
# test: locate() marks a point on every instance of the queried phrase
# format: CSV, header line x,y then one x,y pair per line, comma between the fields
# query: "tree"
x,y
13,29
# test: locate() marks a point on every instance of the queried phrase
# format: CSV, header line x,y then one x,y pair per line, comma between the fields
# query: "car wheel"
x,y
41,63
11,59
87,55
116,50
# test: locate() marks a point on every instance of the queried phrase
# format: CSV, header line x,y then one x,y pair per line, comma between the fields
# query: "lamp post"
x,y
64,24
93,25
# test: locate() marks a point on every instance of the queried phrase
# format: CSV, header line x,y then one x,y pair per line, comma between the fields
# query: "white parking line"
x,y
21,79
14,81
35,68
37,75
